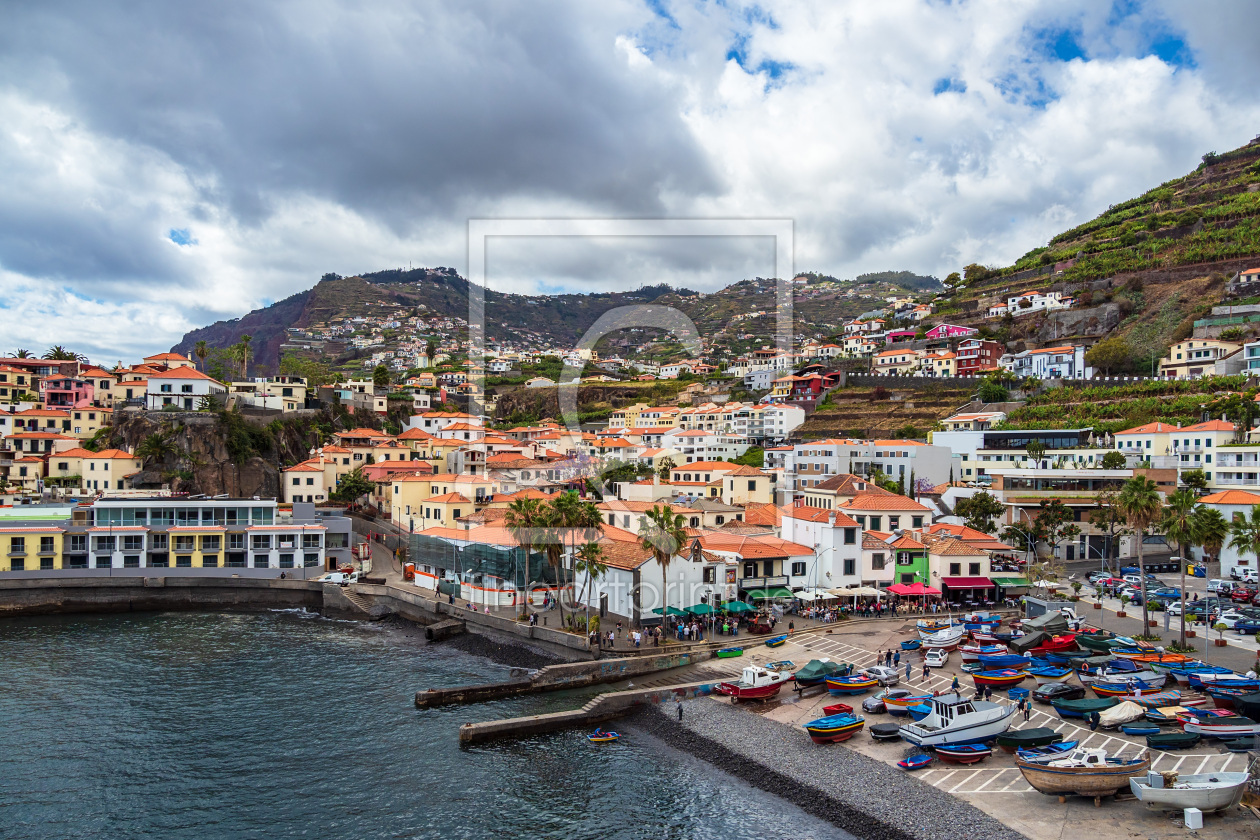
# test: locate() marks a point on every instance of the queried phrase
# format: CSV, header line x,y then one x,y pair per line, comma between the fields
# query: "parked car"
x,y
936,658
1244,575
874,704
886,676
1247,626
1218,585
1166,593
339,578
1243,594
1230,618
1058,691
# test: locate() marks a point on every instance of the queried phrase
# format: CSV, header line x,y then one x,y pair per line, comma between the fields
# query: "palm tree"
x,y
661,532
244,354
588,561
155,447
21,354
1179,526
523,519
201,350
1211,531
1244,532
57,353
1140,504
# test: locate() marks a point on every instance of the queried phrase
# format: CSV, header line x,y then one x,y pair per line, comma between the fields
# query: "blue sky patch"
x,y
181,236
947,85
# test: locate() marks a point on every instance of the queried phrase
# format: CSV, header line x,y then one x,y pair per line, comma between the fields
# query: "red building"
x,y
977,356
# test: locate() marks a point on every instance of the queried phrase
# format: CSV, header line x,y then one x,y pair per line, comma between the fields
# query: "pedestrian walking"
x,y
888,658
897,659
1094,720
954,685
791,627
988,692
678,702
907,669
926,672
1027,711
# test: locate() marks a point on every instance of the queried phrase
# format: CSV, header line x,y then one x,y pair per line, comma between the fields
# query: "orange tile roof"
x,y
887,501
181,373
114,454
763,514
42,412
752,546
1231,497
168,357
449,497
1150,428
77,452
1210,426
744,469
415,434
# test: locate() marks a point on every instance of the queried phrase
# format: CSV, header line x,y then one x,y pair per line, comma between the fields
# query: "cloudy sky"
x,y
166,165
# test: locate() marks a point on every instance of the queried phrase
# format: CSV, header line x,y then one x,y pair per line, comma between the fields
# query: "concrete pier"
x,y
600,709
560,677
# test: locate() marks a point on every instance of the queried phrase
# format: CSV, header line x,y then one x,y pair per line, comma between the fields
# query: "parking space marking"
x,y
965,780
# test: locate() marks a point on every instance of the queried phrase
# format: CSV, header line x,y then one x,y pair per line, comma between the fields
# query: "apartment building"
x,y
1197,357
977,356
1064,362
810,464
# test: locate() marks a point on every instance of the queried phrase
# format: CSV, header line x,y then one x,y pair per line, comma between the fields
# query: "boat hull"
x,y
730,653
976,733
950,755
1221,730
1081,781
760,692
822,733
995,681
1022,739
845,687
1207,792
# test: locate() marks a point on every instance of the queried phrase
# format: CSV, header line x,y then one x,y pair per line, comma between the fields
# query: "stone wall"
x,y
42,596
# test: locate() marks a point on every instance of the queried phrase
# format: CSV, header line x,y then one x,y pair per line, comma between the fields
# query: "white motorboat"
x,y
1232,726
954,719
1205,791
949,638
1111,675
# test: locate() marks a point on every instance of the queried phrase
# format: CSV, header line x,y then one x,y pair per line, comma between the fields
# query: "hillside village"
x,y
1038,413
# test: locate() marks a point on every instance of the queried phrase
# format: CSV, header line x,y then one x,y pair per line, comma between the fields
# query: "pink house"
x,y
894,336
67,392
950,331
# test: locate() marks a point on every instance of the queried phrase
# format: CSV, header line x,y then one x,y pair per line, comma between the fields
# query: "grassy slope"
x,y
1113,408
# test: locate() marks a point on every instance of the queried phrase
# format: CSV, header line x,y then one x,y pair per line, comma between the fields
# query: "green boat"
x,y
817,670
1082,708
1172,740
1096,641
1022,739
728,653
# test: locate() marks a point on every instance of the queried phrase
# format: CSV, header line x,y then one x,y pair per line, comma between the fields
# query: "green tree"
x,y
353,486
1141,504
157,446
1108,519
754,457
243,353
1109,355
1211,530
57,353
980,511
992,391
1196,480
1113,460
662,532
201,350
666,465
380,377
1036,450
1055,523
21,354
524,519
1179,527
589,561
221,364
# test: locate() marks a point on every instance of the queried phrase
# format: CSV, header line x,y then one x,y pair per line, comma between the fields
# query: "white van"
x,y
340,578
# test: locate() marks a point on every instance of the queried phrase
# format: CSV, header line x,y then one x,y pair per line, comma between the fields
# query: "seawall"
x,y
44,596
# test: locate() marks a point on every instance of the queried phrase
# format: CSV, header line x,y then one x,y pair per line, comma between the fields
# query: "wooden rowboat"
x,y
599,736
1085,772
963,753
777,641
915,762
833,728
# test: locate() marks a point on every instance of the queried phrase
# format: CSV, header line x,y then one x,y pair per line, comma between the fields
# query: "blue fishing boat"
x,y
777,641
827,730
1121,689
1181,673
600,736
1050,673
913,644
993,662
1139,729
915,762
919,711
1046,750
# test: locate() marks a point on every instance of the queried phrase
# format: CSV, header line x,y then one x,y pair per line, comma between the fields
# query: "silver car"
x,y
886,676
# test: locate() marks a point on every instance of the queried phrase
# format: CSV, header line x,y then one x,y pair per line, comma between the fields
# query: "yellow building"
x,y
1195,357
895,361
109,469
27,546
746,485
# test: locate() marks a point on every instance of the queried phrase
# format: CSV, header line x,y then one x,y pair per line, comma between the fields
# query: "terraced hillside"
x,y
1113,408
879,412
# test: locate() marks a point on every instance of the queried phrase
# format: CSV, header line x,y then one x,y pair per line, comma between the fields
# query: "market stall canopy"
x,y
1009,582
842,592
967,582
912,589
737,607
701,609
868,591
773,592
814,594
669,611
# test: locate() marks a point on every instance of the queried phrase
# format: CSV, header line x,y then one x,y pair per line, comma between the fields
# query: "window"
x,y
752,484
850,536
185,542
46,563
17,564
286,561
798,569
131,561
102,562
104,543
310,482
236,541
47,545
849,566
17,545
183,560
210,561
877,561
955,569
159,541
973,569
161,561
133,542
750,570
894,522
310,559
876,521
78,543
261,542
211,542
916,522
310,541
260,561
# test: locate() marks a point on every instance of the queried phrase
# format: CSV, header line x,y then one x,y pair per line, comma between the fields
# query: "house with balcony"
x,y
1064,362
1231,503
892,362
1197,357
977,356
950,331
182,387
837,542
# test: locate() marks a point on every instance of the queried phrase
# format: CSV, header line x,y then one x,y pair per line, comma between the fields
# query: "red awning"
x,y
912,589
968,583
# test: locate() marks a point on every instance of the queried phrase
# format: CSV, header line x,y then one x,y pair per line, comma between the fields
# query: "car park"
x,y
1058,691
1250,625
936,658
874,704
1230,618
1243,594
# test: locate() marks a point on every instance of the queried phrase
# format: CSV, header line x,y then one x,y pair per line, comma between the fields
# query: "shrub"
x,y
1154,606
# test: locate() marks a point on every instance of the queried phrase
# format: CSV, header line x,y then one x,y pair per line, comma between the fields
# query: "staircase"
x,y
362,602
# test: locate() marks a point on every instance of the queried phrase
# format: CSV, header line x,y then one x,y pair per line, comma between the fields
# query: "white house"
x,y
1065,362
1231,503
837,542
182,388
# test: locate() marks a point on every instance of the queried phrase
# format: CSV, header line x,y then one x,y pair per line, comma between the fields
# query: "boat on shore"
x,y
915,762
957,720
1206,791
837,709
1231,726
1082,708
993,662
777,641
1139,729
1120,671
1004,678
856,684
1172,740
1056,644
1084,772
816,671
1026,739
834,728
913,644
885,732
1049,674
756,683
897,701
1181,673
729,653
962,753
972,653
1047,752
1231,680
1123,689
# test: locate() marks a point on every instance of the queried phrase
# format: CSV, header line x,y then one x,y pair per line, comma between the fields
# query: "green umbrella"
x,y
700,609
736,607
669,611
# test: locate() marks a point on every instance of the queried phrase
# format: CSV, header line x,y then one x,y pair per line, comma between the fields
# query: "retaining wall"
x,y
27,596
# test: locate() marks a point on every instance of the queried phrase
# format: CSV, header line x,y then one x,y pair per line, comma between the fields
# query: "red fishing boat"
x,y
1004,678
1056,644
756,683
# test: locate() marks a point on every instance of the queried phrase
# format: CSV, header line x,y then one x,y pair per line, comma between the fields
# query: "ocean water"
x,y
285,724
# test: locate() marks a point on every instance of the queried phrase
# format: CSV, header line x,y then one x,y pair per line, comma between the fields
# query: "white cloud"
x,y
352,139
